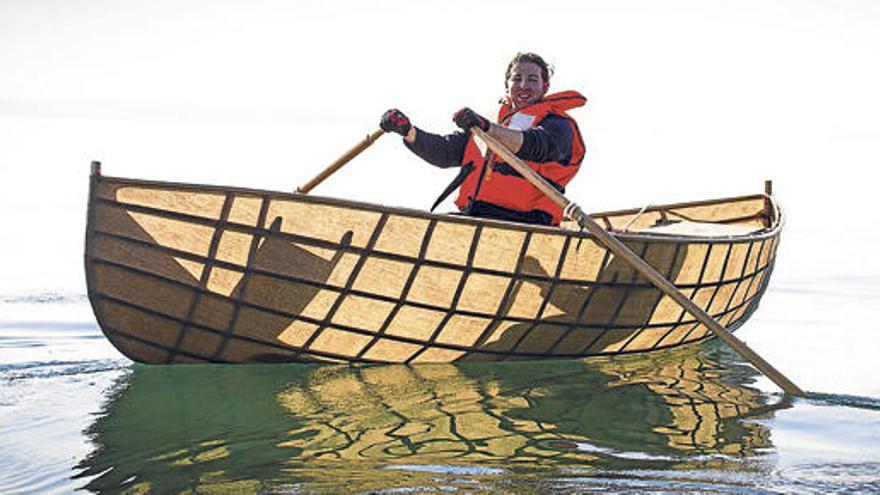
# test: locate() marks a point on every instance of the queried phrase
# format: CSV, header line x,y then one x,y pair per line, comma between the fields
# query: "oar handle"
x,y
342,160
620,250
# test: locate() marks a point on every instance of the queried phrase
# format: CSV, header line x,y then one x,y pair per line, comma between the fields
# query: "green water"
x,y
512,425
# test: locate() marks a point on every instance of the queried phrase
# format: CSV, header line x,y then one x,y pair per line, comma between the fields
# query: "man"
x,y
531,123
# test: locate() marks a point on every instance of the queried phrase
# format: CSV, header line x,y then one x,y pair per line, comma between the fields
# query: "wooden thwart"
x,y
573,211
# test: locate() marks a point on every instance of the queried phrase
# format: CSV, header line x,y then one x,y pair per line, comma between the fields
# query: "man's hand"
x,y
467,118
395,121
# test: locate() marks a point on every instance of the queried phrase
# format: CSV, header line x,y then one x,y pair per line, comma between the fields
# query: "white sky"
x,y
687,100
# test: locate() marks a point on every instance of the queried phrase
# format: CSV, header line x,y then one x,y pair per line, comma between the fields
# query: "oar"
x,y
342,160
620,250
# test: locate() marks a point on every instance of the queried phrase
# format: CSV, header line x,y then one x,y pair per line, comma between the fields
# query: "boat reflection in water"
x,y
478,425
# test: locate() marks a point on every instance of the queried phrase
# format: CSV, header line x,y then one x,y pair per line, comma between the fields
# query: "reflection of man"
x,y
531,123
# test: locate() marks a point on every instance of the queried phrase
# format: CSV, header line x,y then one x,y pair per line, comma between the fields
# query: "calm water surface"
x,y
75,415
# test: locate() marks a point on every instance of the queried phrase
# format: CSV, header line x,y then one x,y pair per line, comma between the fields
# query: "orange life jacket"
x,y
493,181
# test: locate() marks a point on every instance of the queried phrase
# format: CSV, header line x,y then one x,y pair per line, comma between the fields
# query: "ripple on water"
x,y
44,298
21,477
442,469
11,343
832,477
856,401
54,369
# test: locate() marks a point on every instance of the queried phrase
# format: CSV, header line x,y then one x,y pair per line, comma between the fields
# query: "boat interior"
x,y
728,217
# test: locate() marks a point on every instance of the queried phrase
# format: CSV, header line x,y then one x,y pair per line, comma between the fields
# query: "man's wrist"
x,y
410,135
511,138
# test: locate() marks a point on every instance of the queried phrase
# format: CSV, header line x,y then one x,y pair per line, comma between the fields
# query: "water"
x,y
75,415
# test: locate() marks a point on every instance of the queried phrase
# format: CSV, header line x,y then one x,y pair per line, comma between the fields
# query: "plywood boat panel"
x,y
191,273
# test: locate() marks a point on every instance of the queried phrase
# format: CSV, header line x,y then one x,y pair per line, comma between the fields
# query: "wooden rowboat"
x,y
181,273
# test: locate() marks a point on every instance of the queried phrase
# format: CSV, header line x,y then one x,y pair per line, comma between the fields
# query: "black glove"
x,y
467,118
395,121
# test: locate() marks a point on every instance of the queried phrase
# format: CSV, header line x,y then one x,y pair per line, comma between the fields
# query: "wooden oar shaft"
x,y
342,160
620,250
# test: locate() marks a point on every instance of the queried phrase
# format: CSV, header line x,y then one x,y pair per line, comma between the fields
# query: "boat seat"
x,y
702,229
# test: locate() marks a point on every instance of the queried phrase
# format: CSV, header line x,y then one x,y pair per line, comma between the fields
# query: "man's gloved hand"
x,y
467,118
395,121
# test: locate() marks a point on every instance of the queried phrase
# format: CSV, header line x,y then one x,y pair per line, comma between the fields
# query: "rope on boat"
x,y
570,208
632,221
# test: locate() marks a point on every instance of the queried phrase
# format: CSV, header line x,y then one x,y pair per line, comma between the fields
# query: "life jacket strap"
x,y
456,182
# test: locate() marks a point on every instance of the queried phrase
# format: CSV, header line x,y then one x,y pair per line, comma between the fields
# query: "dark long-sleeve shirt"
x,y
549,141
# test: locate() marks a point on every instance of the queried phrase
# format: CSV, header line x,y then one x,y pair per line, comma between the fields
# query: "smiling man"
x,y
531,123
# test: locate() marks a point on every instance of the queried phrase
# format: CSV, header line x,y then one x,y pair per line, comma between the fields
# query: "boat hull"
x,y
183,273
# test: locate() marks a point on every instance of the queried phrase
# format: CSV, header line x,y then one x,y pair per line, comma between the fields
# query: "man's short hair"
x,y
529,57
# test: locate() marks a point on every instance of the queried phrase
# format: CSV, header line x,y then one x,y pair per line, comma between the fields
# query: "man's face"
x,y
526,85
